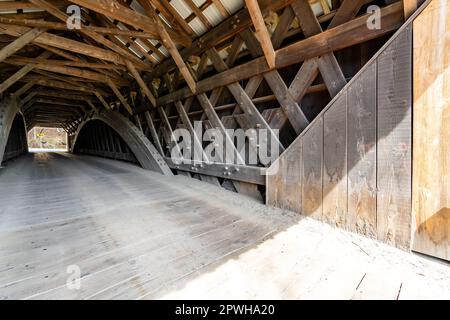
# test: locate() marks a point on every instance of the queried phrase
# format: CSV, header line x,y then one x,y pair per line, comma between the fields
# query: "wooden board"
x,y
362,119
312,170
356,156
285,180
394,142
335,163
431,165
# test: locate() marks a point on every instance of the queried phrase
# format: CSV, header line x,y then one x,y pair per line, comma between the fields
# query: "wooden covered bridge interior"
x,y
355,94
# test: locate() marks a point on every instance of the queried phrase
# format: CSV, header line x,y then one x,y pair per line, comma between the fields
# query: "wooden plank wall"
x,y
394,142
431,160
355,157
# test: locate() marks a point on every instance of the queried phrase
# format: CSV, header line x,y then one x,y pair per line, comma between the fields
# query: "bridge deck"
x,y
136,234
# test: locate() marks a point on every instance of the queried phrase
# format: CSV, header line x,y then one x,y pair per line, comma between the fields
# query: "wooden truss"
x,y
166,68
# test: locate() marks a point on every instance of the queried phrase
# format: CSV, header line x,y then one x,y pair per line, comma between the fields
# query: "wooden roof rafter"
x,y
124,46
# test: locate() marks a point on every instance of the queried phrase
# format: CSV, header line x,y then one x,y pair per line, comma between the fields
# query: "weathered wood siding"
x,y
431,160
355,157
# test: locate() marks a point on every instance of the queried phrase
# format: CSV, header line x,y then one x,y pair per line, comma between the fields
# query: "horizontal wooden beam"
x,y
63,27
343,36
100,39
60,102
26,5
61,85
255,175
21,73
52,40
113,9
20,42
64,63
80,73
62,94
240,21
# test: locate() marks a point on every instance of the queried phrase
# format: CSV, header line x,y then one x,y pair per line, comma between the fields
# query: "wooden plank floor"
x,y
135,234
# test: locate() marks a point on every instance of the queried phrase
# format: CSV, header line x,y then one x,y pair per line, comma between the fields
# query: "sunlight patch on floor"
x,y
311,260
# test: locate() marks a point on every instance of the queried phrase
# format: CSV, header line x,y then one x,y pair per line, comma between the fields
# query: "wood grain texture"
x,y
335,163
312,157
356,156
285,180
394,142
361,159
431,162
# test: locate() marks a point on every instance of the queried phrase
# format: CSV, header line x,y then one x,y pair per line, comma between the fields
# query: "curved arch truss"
x,y
13,137
111,135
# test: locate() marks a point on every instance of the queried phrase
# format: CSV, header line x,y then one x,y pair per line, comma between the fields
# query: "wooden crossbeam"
x,y
242,173
215,122
154,134
310,68
113,9
291,108
60,102
65,44
50,25
64,63
28,98
21,73
61,85
278,36
76,59
343,36
240,21
92,34
102,100
93,107
171,15
61,94
44,75
230,61
181,109
130,43
187,123
24,89
171,47
183,117
52,110
328,65
20,42
141,83
198,13
261,31
243,100
120,96
80,73
25,5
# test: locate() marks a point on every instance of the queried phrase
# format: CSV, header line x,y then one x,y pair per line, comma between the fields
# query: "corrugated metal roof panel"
x,y
198,27
233,5
182,8
213,15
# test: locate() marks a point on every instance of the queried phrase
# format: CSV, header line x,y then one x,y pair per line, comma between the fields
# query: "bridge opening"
x,y
42,139
333,84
